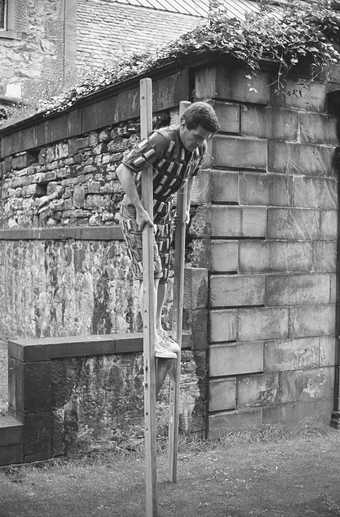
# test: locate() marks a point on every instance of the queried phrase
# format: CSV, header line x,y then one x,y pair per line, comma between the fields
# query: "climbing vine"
x,y
287,39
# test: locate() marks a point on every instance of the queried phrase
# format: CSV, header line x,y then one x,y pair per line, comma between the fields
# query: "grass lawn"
x,y
267,473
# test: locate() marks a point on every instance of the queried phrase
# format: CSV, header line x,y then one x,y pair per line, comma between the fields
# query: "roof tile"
x,y
199,8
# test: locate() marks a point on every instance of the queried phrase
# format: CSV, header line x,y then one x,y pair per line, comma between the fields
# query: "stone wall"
x,y
52,43
68,183
31,53
264,223
86,393
267,231
65,272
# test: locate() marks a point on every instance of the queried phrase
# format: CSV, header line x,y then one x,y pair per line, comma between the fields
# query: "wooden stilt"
x,y
148,316
178,311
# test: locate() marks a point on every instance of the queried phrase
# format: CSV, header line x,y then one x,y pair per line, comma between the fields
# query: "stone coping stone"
x,y
48,348
10,430
88,233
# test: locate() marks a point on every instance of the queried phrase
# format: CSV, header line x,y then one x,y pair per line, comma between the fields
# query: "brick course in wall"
x,y
109,31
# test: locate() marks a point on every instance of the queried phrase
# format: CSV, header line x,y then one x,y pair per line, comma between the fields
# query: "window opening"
x,y
3,14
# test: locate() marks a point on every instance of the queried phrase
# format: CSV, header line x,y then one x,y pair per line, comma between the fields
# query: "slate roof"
x,y
199,8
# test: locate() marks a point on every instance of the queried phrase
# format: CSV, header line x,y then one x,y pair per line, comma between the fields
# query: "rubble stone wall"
x,y
31,53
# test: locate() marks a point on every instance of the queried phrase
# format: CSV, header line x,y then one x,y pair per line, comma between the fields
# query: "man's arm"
x,y
127,181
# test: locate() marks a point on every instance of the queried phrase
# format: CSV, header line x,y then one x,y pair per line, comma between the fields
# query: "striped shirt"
x,y
172,165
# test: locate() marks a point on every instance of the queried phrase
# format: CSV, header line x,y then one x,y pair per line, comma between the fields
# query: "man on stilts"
x,y
175,154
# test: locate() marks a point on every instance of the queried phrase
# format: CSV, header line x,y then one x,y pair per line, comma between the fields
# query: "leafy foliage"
x,y
288,40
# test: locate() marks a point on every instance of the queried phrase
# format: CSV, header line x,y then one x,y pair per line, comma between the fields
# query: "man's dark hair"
x,y
201,114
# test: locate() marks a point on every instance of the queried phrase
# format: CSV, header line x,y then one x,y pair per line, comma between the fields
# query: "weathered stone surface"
x,y
200,224
312,160
265,189
3,376
275,256
105,403
257,390
219,83
64,170
324,256
228,115
199,329
262,323
73,287
293,224
280,189
224,256
222,394
200,251
226,221
312,320
224,187
195,288
303,94
235,359
297,289
306,384
329,224
302,411
238,152
334,72
37,436
232,291
314,193
11,454
221,424
67,289
254,256
254,120
334,291
269,122
254,189
295,354
37,387
201,188
328,346
223,325
317,128
254,222
16,387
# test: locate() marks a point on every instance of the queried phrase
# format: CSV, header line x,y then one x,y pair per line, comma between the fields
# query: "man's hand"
x,y
143,218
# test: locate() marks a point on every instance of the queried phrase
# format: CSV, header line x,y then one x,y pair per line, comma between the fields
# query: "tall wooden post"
x,y
148,315
181,206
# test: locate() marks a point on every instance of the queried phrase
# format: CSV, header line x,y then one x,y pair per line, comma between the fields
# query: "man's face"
x,y
191,138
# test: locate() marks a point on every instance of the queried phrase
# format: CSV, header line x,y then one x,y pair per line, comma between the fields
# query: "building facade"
x,y
49,44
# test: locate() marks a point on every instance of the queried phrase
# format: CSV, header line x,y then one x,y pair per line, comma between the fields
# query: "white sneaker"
x,y
164,349
171,343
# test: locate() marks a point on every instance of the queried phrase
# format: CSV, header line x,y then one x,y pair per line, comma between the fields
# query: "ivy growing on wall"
x,y
288,39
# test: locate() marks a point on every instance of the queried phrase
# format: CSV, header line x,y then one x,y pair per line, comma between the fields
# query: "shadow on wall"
x,y
334,108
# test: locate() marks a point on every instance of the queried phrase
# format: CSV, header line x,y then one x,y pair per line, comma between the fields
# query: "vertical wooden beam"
x,y
148,315
182,197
